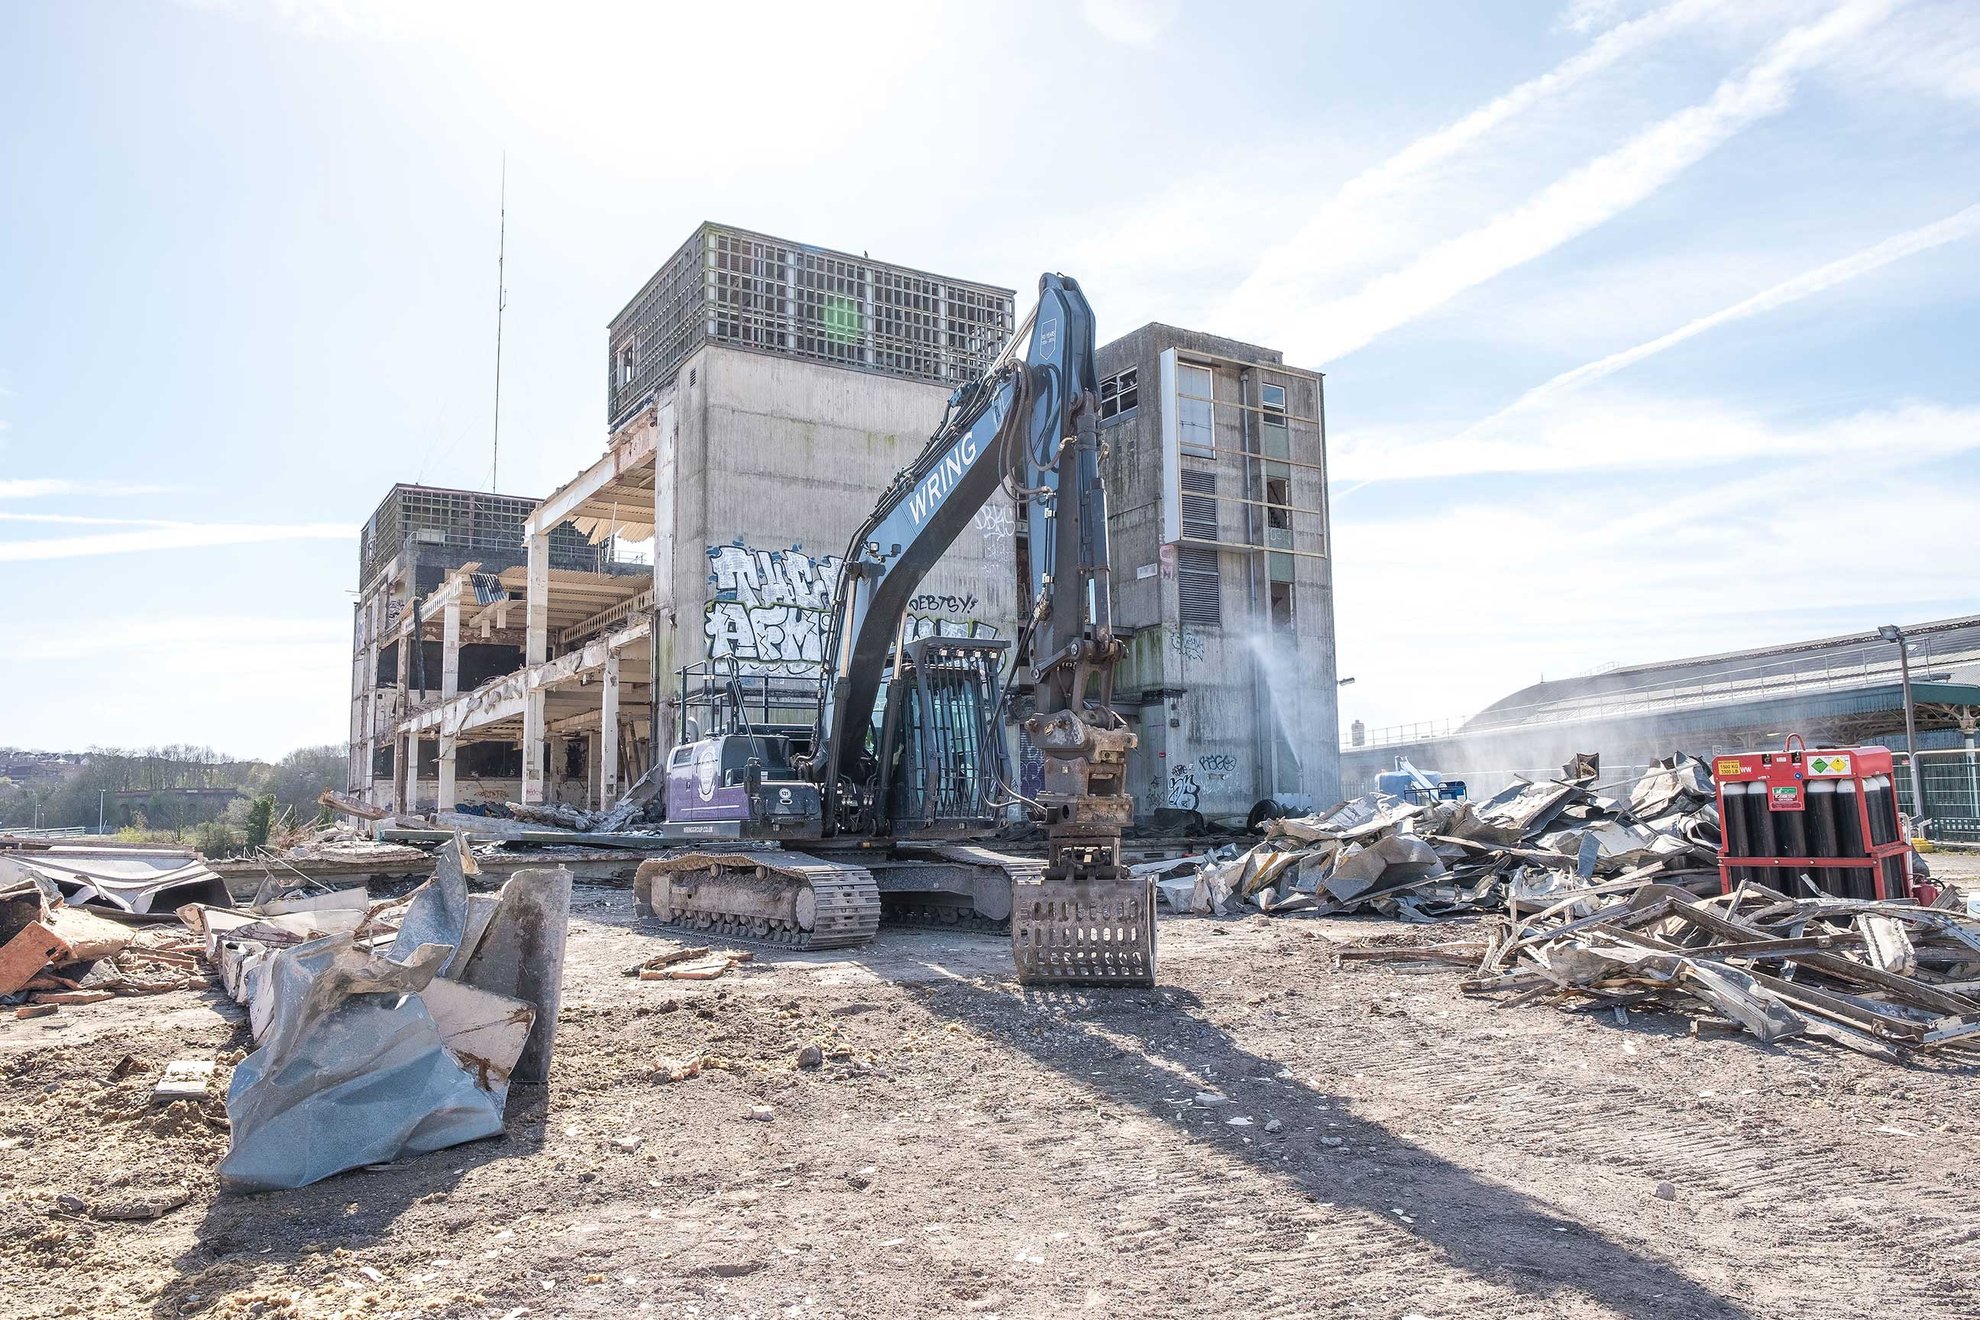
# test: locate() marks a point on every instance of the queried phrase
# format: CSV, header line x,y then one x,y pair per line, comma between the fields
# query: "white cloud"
x,y
1567,208
1354,220
1570,580
32,488
174,536
193,634
1622,431
1135,22
83,520
1960,225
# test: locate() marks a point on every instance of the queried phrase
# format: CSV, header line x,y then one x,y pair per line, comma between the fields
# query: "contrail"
x,y
1959,225
182,536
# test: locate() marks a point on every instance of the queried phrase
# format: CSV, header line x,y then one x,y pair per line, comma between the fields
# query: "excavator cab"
x,y
942,727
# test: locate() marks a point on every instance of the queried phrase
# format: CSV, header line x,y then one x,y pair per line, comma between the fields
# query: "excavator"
x,y
803,830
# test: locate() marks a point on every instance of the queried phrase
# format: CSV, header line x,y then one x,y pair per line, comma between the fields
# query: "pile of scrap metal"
x,y
129,882
384,1029
55,955
1426,860
1887,978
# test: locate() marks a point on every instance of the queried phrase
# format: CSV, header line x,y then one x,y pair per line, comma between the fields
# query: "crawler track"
x,y
789,899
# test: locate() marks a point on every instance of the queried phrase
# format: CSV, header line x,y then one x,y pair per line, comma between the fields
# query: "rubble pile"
x,y
1884,977
383,1029
54,955
1422,861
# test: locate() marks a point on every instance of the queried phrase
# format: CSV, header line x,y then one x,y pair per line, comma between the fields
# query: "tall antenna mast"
x,y
501,301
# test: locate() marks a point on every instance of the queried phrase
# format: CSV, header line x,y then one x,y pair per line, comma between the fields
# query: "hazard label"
x,y
1728,765
1829,763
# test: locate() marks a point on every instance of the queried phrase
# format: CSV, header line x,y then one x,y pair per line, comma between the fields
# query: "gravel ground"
x,y
1262,1136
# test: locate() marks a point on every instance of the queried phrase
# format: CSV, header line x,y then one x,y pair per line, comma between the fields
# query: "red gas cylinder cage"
x,y
1829,816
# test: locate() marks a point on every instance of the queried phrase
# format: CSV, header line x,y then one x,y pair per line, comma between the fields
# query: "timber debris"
x,y
1886,978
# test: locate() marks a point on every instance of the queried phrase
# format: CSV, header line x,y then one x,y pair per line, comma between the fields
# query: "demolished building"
x,y
761,395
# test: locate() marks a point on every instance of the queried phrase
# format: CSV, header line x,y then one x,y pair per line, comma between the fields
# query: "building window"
x,y
1282,607
1119,394
1199,506
1278,501
1199,588
628,361
1273,397
1195,423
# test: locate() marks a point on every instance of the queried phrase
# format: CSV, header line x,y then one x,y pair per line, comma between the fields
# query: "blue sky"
x,y
1649,327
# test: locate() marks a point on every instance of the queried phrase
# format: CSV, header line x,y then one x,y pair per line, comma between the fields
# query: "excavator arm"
x,y
1030,425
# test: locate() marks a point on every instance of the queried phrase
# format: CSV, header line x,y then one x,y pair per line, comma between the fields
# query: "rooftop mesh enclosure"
x,y
469,522
729,286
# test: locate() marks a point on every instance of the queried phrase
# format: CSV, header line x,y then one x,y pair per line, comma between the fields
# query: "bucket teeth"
x,y
1084,933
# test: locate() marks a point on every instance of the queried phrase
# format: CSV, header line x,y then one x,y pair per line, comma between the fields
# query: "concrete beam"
x,y
628,453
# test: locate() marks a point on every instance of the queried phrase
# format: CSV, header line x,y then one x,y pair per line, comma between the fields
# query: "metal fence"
x,y
1952,792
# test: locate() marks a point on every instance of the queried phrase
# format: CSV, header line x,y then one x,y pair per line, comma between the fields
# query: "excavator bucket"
x,y
1084,932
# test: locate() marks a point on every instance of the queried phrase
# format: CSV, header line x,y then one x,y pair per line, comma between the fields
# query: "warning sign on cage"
x,y
1829,763
1728,765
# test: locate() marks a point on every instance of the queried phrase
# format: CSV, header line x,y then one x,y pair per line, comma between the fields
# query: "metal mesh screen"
x,y
473,523
730,286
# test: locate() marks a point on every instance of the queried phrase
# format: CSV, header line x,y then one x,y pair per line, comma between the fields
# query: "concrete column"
x,y
532,747
405,779
608,734
450,647
592,793
537,648
448,746
535,651
560,756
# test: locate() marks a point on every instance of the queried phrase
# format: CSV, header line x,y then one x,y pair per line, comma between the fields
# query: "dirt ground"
x,y
1262,1136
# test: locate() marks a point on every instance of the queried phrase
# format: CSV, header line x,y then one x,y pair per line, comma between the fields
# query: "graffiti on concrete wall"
x,y
997,522
1183,792
929,602
1187,644
770,608
1216,765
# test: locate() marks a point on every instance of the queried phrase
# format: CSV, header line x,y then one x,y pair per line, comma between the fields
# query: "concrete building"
x,y
762,394
441,611
1217,478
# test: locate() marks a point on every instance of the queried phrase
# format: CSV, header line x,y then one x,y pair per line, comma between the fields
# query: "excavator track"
x,y
952,887
768,896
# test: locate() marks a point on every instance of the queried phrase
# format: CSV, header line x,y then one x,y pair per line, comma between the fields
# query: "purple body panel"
x,y
695,791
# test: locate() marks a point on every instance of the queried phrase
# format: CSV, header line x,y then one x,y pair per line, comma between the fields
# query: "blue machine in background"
x,y
1424,786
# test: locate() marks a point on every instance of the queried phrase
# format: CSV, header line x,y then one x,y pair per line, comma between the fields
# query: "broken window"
x,y
1195,421
489,760
1282,607
381,761
1119,394
628,361
1278,502
1199,588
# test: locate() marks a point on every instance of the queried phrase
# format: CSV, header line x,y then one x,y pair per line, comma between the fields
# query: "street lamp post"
x,y
1890,632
